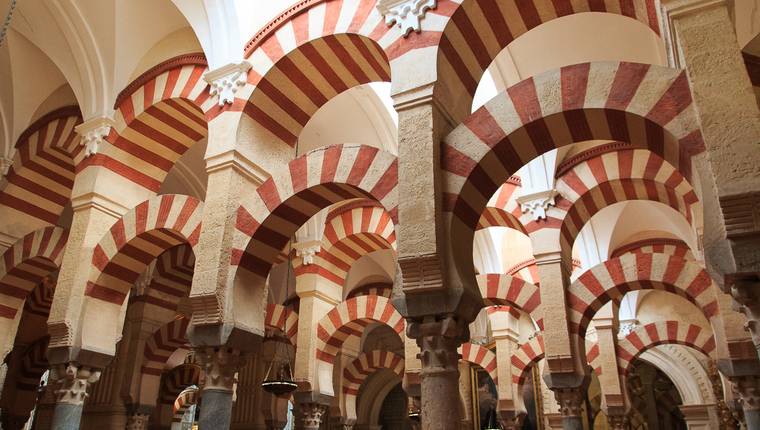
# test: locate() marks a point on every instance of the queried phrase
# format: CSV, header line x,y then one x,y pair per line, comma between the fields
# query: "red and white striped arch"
x,y
660,333
479,29
593,356
612,177
503,210
349,318
41,177
283,319
348,236
528,353
648,106
178,379
312,52
497,289
268,218
674,247
187,398
614,278
33,364
136,239
482,357
158,117
526,270
40,299
367,363
26,264
381,289
172,278
164,342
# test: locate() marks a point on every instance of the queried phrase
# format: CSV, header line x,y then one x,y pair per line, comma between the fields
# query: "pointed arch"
x,y
662,333
41,177
612,279
312,182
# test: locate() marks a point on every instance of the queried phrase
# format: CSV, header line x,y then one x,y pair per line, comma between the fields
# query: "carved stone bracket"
x,y
311,415
72,381
537,204
406,14
226,80
421,273
570,400
438,341
307,250
220,366
93,132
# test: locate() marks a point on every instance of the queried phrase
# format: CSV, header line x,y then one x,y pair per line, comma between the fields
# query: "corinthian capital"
x,y
570,401
220,366
72,381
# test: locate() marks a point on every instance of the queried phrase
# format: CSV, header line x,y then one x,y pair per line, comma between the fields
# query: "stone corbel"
x,y
93,132
536,204
226,80
406,14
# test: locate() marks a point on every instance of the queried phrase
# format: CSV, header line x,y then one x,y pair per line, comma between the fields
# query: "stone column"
x,y
505,335
71,382
570,402
311,415
438,340
220,365
614,402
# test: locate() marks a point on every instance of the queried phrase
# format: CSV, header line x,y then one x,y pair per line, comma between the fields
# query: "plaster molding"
x,y
100,202
93,133
405,14
536,204
226,80
240,163
6,240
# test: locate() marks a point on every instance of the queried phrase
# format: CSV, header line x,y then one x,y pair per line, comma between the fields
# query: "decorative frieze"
x,y
226,80
72,382
536,204
406,14
93,133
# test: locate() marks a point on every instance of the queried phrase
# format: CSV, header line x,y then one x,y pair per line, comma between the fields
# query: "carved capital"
x,y
72,381
618,421
307,250
311,415
536,204
406,14
570,400
93,132
748,388
226,80
220,366
138,421
438,340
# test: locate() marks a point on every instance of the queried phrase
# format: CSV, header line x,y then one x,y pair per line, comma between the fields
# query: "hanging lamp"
x,y
280,382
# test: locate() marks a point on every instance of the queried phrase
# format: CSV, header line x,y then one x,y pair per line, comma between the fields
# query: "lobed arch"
x,y
348,236
647,106
41,176
480,356
347,320
26,263
356,373
157,118
662,333
479,30
268,218
283,319
614,278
